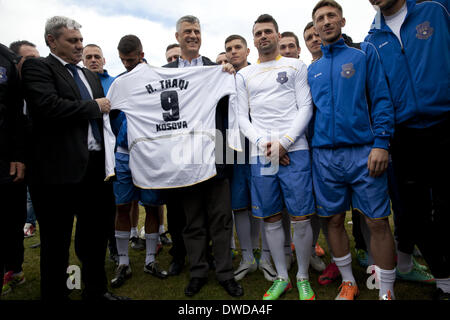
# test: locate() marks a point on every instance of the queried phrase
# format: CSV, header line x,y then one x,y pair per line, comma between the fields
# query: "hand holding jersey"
x,y
166,126
104,105
228,67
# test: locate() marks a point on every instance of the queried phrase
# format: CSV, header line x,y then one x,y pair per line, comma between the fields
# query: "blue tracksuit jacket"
x,y
351,97
419,72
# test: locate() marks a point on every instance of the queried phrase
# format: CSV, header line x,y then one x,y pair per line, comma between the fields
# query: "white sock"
x,y
265,250
134,232
151,241
243,226
303,237
443,284
344,265
386,279
122,238
161,229
404,262
275,240
255,229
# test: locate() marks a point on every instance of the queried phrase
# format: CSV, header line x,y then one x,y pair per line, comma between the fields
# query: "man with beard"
x,y
274,94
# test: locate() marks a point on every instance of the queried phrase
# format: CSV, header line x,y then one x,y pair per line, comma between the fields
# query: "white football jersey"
x,y
276,94
171,123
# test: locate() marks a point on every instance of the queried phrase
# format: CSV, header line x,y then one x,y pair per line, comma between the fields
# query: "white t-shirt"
x,y
276,94
395,21
170,123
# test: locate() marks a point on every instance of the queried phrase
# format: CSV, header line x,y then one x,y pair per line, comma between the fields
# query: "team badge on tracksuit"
x,y
424,31
282,77
3,75
347,70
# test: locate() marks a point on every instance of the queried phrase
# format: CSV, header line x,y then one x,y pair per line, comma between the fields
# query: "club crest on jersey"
x,y
424,31
282,77
3,75
348,70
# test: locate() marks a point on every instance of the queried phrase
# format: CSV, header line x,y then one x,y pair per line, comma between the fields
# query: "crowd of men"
x,y
365,127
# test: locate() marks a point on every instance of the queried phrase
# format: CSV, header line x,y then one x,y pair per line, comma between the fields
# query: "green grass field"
x,y
143,286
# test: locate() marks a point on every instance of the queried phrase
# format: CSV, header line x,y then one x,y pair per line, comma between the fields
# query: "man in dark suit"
x,y
206,207
12,172
66,103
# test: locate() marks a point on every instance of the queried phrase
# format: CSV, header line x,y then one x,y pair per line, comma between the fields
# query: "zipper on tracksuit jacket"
x,y
332,101
408,68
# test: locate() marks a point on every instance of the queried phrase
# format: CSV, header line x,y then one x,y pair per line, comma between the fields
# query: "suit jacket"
x,y
223,170
60,121
12,119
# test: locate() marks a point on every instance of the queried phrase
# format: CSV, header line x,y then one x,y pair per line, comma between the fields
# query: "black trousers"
x,y
176,221
13,213
421,166
207,207
404,236
92,202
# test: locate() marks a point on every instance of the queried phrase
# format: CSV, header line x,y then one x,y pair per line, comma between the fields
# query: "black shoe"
x,y
164,239
137,243
175,268
123,273
233,288
154,269
194,286
109,296
36,245
439,294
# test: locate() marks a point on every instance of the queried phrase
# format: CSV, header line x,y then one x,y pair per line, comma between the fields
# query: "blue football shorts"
x,y
341,179
240,187
273,187
125,191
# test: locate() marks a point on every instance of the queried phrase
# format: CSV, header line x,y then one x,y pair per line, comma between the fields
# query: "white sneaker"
x,y
244,268
317,263
28,230
269,272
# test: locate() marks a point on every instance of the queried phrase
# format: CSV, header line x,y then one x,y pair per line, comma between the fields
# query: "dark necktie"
x,y
85,96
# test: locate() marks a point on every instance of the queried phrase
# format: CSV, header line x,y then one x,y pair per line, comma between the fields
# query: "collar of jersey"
x,y
276,59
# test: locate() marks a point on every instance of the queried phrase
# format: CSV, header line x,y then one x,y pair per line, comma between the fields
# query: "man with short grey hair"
x,y
204,208
187,19
54,26
66,104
